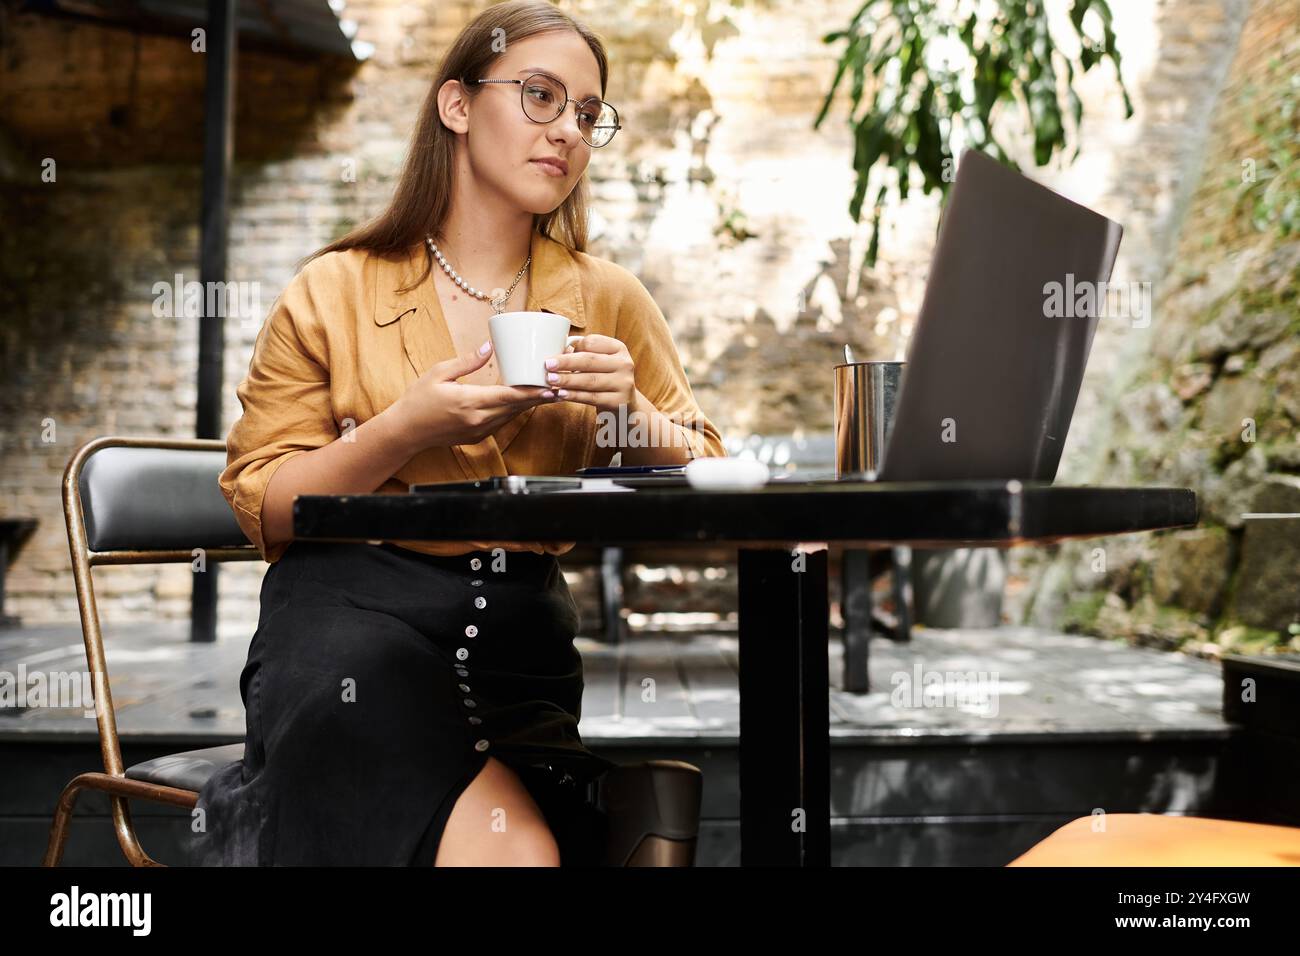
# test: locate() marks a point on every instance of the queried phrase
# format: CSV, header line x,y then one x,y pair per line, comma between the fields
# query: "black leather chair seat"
x,y
189,770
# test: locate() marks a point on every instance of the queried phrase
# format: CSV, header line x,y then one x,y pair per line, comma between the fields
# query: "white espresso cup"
x,y
524,341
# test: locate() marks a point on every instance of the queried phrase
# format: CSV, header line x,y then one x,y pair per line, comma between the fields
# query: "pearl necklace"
x,y
498,303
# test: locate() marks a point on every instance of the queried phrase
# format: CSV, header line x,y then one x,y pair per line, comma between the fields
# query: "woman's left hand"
x,y
595,370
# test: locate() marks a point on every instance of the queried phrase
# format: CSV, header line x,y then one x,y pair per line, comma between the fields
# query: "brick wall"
x,y
718,194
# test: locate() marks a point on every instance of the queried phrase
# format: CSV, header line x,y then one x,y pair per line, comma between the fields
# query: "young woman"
x,y
417,703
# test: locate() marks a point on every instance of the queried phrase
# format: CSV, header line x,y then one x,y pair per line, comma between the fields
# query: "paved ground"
x,y
1006,681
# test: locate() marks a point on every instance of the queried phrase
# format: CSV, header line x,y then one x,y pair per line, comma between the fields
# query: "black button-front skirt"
x,y
378,683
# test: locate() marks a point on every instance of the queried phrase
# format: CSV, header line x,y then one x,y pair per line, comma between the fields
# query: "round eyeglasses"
x,y
544,99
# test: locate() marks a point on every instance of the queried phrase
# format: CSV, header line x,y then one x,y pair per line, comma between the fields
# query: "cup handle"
x,y
570,340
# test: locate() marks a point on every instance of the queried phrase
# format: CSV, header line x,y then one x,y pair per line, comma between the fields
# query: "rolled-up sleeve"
x,y
660,377
286,405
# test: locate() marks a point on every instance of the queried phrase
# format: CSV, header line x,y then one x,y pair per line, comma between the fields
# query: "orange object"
x,y
1152,839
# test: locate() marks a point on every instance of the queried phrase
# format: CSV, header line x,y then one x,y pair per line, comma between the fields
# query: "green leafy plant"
x,y
939,71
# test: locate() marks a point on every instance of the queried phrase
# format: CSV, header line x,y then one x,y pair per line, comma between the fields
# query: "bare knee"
x,y
496,822
534,847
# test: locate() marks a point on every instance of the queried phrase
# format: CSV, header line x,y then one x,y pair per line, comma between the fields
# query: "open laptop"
x,y
991,381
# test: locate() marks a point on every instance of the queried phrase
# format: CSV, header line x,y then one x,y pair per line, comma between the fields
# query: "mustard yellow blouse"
x,y
341,344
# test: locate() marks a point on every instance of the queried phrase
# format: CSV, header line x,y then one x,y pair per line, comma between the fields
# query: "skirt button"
x,y
470,702
471,631
464,688
481,745
476,721
461,653
480,602
475,564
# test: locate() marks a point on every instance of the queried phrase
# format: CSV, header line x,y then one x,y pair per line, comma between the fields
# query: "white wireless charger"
x,y
726,473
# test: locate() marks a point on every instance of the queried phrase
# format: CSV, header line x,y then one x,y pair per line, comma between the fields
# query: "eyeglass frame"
x,y
560,112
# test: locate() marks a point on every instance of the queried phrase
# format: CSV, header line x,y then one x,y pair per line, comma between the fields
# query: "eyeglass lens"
x,y
544,100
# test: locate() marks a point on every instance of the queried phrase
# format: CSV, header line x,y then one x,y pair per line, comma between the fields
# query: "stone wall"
x,y
1212,397
718,194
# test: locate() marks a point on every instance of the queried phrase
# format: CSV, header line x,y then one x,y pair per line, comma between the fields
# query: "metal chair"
x,y
156,500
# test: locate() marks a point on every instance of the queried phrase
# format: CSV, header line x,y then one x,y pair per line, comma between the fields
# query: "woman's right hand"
x,y
436,410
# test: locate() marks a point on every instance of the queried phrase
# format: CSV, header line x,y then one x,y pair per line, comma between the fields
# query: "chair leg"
x,y
902,575
611,577
653,809
126,837
62,817
855,607
118,788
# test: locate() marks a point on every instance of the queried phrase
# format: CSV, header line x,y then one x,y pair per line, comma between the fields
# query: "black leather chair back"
x,y
147,499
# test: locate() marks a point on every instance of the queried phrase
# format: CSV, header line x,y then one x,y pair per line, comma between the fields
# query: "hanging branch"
x,y
938,72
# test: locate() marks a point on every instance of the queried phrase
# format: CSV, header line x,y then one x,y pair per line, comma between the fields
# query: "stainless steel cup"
x,y
866,394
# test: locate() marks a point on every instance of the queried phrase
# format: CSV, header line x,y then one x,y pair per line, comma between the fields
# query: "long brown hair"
x,y
422,199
